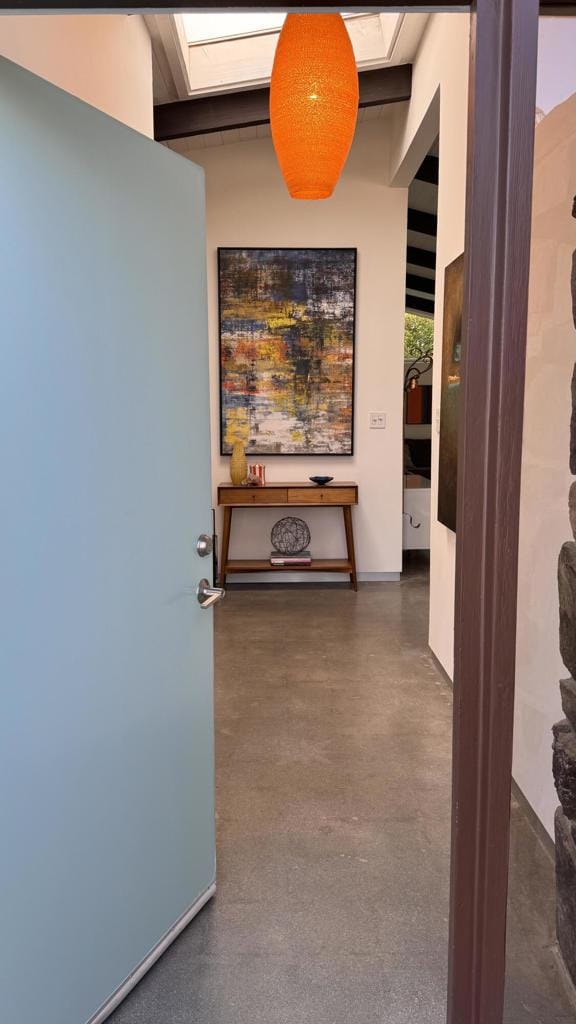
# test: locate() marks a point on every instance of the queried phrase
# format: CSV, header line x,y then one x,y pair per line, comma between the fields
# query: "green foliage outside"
x,y
418,335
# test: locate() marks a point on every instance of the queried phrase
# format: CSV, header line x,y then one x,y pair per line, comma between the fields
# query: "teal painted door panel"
x,y
106,734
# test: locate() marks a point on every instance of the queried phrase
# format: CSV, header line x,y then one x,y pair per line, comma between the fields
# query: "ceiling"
x,y
198,55
192,144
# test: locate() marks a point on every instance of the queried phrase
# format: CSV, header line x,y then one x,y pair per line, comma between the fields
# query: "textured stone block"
x,y
566,891
573,285
573,426
572,508
567,600
568,691
564,766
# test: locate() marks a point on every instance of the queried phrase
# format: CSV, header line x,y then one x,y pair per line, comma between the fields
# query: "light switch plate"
x,y
377,421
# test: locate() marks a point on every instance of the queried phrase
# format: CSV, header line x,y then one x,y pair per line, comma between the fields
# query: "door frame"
x,y
502,99
502,90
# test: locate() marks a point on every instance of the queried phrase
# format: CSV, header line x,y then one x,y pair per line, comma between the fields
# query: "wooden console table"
x,y
291,495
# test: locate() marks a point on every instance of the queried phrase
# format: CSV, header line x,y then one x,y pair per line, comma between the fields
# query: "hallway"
x,y
333,787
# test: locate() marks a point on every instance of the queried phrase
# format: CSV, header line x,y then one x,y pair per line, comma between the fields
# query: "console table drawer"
x,y
322,496
252,496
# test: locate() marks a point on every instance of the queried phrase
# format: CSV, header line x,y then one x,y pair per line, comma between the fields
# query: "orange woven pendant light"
x,y
313,102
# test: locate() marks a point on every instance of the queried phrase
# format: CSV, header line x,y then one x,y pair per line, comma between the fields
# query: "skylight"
x,y
212,28
227,51
207,28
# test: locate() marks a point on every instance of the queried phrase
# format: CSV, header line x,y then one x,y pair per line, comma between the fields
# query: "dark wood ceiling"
x,y
244,109
421,248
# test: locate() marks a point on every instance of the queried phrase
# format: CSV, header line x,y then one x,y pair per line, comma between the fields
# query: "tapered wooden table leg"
x,y
347,510
225,545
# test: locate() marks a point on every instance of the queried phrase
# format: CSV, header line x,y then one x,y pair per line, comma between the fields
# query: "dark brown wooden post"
x,y
500,163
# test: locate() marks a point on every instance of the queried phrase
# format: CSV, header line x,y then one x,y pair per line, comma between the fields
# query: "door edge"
x,y
150,959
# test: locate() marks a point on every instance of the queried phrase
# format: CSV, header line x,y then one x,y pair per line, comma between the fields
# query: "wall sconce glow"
x,y
313,102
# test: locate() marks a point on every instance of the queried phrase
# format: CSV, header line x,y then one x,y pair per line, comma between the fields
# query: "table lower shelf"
x,y
263,565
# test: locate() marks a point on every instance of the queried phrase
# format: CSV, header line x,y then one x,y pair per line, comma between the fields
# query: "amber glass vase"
x,y
238,464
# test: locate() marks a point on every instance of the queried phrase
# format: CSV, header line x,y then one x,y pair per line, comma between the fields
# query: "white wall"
x,y
546,477
103,59
440,97
439,103
248,205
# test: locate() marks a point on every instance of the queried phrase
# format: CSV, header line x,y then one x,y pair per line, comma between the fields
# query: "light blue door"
x,y
106,748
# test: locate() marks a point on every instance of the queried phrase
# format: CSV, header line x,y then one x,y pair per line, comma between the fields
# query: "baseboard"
x,y
529,813
379,577
438,664
569,986
310,577
138,973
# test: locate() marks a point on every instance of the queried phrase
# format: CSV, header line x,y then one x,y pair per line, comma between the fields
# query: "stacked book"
x,y
302,558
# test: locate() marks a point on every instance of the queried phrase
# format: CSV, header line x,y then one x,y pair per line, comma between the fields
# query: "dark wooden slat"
x,y
502,97
428,170
567,7
385,85
246,109
415,302
421,257
207,5
209,114
423,223
420,284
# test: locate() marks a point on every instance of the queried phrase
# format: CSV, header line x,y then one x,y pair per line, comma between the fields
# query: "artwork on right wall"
x,y
450,392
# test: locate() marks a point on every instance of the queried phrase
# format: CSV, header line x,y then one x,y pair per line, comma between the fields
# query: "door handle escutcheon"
x,y
204,545
207,595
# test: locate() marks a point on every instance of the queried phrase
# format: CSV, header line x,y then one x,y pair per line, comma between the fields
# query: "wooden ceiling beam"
x,y
121,6
206,114
414,283
421,257
423,223
555,7
415,304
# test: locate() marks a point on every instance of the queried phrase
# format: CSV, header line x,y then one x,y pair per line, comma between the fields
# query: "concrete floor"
x,y
333,783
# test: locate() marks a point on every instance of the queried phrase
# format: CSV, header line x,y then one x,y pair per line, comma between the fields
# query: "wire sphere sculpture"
x,y
290,536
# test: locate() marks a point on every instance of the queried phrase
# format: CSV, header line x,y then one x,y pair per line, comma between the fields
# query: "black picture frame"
x,y
252,451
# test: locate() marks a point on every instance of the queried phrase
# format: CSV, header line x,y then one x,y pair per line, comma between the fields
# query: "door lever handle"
x,y
207,595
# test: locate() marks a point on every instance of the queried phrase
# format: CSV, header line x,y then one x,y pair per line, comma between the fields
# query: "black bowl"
x,y
321,480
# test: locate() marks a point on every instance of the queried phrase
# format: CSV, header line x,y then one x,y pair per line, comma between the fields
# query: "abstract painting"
x,y
287,350
450,392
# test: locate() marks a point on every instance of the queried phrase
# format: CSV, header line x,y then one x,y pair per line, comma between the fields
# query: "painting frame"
x,y
265,452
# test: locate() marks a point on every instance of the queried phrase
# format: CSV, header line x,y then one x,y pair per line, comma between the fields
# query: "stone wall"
x,y
564,746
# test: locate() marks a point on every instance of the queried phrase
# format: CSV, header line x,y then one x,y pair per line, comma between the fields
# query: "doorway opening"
x,y
419,355
333,718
